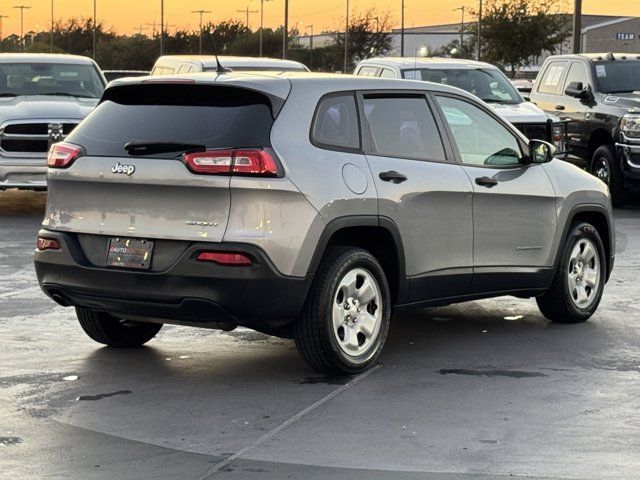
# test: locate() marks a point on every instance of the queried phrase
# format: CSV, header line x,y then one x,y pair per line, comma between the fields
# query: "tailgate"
x,y
130,178
161,199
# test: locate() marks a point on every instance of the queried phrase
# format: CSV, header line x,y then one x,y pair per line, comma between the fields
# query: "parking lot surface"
x,y
483,390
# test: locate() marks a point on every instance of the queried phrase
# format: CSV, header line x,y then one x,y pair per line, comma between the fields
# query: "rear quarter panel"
x,y
322,175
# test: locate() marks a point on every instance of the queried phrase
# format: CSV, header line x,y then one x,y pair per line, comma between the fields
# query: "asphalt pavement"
x,y
486,390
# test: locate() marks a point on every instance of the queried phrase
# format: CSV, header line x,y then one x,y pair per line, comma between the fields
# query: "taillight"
x,y
211,162
252,161
225,258
61,155
48,244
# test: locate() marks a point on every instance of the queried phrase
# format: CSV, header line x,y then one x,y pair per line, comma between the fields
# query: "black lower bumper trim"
x,y
189,291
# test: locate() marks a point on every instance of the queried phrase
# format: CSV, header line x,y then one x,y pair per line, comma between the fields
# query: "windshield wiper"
x,y
65,94
149,148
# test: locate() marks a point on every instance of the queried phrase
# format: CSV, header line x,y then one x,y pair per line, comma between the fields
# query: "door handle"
x,y
392,176
559,107
486,182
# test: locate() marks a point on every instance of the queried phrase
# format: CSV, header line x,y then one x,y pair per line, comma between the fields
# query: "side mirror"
x,y
577,90
540,151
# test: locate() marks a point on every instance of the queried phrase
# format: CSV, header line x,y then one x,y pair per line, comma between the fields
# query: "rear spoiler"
x,y
184,91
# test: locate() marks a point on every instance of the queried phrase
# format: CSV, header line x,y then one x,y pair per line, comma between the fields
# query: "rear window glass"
x,y
213,116
336,122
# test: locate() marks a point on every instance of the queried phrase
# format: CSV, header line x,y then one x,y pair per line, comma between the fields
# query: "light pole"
x,y
262,22
461,9
346,38
285,30
310,47
577,26
94,28
201,12
51,46
479,31
140,28
153,28
247,12
22,9
1,17
161,27
402,29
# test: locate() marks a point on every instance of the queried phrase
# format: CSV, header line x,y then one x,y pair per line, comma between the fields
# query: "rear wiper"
x,y
65,94
149,148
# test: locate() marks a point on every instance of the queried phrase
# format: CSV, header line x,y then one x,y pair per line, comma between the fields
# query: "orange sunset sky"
x,y
126,15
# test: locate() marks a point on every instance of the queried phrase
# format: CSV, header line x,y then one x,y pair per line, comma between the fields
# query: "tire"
x,y
563,302
334,339
109,330
605,166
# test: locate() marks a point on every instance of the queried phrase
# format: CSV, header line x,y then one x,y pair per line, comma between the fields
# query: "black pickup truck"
x,y
600,95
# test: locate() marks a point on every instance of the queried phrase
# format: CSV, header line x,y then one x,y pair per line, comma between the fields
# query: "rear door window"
x,y
403,127
335,125
387,73
211,116
550,80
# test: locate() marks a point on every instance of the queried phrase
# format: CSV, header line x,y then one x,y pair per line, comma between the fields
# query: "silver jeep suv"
x,y
310,206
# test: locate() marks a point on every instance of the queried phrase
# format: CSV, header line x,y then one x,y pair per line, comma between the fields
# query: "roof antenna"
x,y
219,67
610,57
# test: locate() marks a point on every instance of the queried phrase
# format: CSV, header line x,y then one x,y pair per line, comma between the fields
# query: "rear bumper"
x,y
16,175
187,292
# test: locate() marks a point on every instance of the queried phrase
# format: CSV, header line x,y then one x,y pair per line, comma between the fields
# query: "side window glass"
x,y
368,71
336,122
386,73
577,73
550,80
403,127
480,138
183,68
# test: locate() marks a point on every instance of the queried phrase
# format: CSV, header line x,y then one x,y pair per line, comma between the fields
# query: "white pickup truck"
x,y
42,99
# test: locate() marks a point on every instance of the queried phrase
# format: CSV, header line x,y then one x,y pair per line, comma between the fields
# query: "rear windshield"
x,y
211,116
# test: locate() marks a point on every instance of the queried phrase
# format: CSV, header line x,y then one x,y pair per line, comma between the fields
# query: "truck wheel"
x,y
109,330
346,317
605,166
577,286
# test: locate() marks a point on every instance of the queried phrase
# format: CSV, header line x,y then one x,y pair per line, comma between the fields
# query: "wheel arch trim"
x,y
593,208
338,224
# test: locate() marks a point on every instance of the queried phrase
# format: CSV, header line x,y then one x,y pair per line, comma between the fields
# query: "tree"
x,y
452,49
369,36
514,31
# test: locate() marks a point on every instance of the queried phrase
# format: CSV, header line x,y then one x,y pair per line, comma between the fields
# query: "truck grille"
x,y
30,138
536,131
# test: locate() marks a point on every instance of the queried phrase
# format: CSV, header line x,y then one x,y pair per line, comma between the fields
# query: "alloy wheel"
x,y
583,274
357,312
